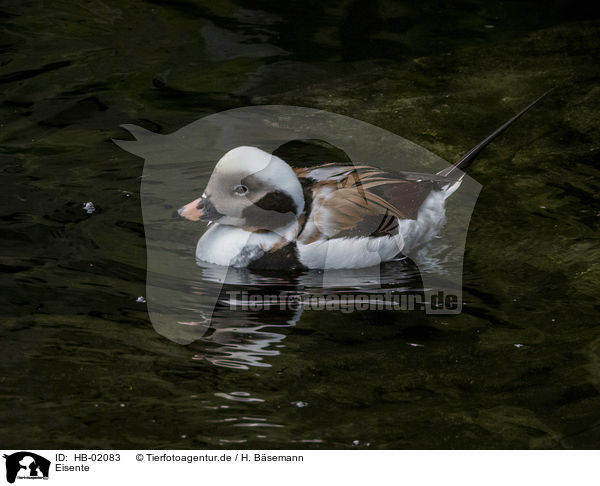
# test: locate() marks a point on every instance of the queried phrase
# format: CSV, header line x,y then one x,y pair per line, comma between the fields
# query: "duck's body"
x,y
267,215
340,225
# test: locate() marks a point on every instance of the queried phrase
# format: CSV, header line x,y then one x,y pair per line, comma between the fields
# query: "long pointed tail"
x,y
472,154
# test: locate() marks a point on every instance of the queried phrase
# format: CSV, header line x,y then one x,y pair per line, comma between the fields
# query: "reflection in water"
x,y
242,347
239,397
240,338
244,421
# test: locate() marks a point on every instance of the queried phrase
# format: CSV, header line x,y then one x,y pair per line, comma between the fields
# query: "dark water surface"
x,y
82,366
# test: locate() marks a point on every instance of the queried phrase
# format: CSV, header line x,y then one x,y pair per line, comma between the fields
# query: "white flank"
x,y
358,252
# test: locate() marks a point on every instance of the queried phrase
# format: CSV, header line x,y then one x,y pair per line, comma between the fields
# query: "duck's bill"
x,y
200,209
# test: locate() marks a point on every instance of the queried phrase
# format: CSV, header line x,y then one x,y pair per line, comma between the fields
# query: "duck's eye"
x,y
240,190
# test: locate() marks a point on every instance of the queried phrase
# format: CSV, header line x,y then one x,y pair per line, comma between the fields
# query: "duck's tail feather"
x,y
457,170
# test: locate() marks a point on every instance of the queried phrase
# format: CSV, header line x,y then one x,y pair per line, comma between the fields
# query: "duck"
x,y
264,214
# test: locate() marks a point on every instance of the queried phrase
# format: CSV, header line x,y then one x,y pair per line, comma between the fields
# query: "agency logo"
x,y
26,465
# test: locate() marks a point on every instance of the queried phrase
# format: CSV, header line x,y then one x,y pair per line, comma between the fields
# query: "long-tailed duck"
x,y
265,214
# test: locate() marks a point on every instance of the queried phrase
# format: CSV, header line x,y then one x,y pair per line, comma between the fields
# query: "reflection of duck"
x,y
240,339
268,215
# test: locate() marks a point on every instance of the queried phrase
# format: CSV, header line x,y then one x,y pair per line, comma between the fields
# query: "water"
x,y
83,366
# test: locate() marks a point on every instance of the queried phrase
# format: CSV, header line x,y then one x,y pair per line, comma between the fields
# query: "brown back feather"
x,y
366,202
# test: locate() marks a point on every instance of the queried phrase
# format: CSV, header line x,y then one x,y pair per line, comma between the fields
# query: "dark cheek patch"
x,y
277,201
273,210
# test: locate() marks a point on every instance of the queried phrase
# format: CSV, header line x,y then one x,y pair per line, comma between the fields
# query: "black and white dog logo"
x,y
26,465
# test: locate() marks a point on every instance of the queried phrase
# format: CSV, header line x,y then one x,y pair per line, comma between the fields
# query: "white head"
x,y
249,188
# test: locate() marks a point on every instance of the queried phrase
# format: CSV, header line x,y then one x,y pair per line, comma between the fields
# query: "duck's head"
x,y
249,188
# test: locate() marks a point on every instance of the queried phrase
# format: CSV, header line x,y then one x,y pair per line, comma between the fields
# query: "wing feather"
x,y
361,200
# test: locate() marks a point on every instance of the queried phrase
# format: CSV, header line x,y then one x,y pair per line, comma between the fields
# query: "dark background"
x,y
82,366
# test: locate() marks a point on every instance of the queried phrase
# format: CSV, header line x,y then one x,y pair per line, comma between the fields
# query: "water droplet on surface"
x,y
140,300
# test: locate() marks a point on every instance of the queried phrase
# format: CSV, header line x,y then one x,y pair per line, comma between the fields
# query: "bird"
x,y
263,214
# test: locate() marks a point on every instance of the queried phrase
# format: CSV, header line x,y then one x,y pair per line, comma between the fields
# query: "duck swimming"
x,y
265,215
